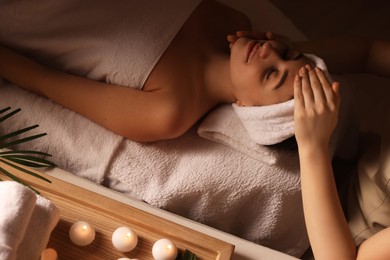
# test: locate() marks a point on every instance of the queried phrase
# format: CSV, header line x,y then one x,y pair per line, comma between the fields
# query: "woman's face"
x,y
263,72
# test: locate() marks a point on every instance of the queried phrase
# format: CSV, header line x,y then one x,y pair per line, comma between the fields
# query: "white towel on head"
x,y
267,125
223,126
16,207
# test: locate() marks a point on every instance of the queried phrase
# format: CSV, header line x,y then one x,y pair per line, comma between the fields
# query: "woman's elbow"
x,y
163,128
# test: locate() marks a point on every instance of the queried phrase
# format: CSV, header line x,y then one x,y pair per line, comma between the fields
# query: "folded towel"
x,y
267,125
26,222
43,220
272,124
67,132
223,126
16,207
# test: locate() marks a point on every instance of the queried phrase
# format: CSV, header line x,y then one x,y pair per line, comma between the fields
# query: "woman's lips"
x,y
253,46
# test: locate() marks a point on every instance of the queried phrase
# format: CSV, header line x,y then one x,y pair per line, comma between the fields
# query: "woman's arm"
x,y
315,115
137,115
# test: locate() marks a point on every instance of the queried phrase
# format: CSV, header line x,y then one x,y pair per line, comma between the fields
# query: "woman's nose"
x,y
268,51
265,50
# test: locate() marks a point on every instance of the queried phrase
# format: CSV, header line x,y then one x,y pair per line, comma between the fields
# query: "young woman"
x,y
315,114
195,73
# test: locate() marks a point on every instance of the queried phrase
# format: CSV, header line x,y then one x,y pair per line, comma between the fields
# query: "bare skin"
x,y
176,94
197,72
315,115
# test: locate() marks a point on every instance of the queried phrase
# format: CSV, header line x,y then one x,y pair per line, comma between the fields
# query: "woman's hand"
x,y
261,36
281,44
316,107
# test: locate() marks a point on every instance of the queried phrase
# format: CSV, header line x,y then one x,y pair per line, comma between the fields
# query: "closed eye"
x,y
269,73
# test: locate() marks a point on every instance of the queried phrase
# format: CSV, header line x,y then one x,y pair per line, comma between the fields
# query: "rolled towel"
x,y
268,125
223,126
272,124
43,220
16,207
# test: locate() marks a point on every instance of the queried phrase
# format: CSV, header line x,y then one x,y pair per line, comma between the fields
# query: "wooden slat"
x,y
105,214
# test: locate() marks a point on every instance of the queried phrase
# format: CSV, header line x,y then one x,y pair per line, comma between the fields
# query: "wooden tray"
x,y
106,215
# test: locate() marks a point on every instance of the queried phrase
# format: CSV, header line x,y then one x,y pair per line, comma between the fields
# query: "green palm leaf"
x,y
18,158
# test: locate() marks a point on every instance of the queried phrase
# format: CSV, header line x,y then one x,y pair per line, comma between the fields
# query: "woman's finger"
x,y
336,91
253,35
280,38
231,38
306,88
316,85
326,85
299,102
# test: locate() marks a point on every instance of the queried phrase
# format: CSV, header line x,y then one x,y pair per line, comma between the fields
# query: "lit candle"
x,y
124,239
81,233
164,249
49,254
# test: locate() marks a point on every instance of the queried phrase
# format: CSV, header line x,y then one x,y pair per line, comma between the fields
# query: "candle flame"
x,y
168,248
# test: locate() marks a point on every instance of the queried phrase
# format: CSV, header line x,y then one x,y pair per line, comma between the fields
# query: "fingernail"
x,y
297,77
302,70
317,69
308,67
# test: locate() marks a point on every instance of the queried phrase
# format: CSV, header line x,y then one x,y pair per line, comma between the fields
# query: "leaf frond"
x,y
4,110
15,178
40,162
20,152
17,132
19,158
23,140
9,114
25,170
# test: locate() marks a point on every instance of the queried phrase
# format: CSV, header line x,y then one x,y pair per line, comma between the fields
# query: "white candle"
x,y
124,239
81,233
49,254
164,249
